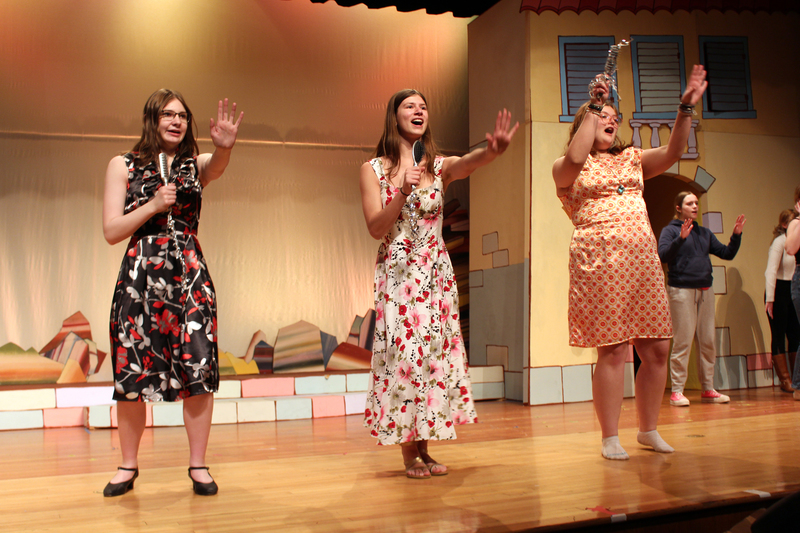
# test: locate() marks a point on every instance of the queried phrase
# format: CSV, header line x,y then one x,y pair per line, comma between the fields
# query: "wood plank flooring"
x,y
520,468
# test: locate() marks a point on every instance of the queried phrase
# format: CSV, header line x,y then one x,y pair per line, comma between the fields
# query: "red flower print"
x,y
122,358
402,310
167,322
431,423
391,425
463,391
403,409
448,423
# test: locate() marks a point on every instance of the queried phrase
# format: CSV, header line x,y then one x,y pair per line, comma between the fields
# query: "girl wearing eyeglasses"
x,y
164,315
616,289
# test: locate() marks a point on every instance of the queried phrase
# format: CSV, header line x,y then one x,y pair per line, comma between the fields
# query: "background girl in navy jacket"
x,y
685,246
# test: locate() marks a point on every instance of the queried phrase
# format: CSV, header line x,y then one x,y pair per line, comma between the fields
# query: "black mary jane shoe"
x,y
202,489
118,489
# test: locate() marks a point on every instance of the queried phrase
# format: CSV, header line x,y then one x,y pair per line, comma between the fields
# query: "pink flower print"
x,y
425,260
455,348
408,434
405,372
444,308
379,315
418,319
435,369
428,223
380,286
408,290
432,399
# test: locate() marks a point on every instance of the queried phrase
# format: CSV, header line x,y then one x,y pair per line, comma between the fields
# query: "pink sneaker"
x,y
679,400
712,396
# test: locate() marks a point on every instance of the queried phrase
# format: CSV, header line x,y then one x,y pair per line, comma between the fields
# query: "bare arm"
x,y
656,161
380,219
457,168
567,168
118,226
223,135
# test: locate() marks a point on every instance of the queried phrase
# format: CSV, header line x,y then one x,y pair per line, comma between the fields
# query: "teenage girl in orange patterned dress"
x,y
617,290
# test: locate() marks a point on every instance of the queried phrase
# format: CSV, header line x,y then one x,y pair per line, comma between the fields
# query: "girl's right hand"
x,y
600,90
411,178
686,228
165,197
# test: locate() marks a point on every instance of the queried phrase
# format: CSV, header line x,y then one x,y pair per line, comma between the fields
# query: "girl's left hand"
x,y
225,130
696,86
503,133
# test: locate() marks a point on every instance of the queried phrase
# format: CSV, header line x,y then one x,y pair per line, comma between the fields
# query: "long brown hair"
x,y
784,218
678,203
149,145
389,145
616,147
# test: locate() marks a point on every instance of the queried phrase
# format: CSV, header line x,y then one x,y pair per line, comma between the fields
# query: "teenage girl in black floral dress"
x,y
164,316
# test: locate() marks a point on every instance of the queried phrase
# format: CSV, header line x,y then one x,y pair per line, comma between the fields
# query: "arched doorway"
x,y
659,193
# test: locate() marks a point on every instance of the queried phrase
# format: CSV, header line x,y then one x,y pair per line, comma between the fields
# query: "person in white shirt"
x,y
783,322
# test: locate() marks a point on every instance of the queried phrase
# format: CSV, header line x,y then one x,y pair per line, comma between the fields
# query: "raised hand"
x,y
225,130
739,225
696,86
599,92
686,228
503,133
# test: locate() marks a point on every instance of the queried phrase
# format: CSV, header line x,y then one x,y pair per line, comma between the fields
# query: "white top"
x,y
780,265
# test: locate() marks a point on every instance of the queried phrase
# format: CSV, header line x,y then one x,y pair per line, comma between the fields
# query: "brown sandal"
x,y
412,465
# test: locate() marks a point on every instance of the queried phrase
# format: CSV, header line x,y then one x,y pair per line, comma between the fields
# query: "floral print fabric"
x,y
164,339
616,283
419,386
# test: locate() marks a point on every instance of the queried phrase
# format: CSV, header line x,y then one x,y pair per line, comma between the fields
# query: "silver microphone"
x,y
162,163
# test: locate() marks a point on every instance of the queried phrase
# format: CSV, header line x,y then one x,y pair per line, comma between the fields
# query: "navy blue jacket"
x,y
688,261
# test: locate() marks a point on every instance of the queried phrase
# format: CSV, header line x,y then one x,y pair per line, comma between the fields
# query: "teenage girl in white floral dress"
x,y
419,387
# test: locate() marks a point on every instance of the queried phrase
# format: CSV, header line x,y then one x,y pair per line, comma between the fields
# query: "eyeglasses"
x,y
169,116
610,118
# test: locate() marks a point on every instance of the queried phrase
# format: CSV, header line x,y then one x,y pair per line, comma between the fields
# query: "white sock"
x,y
613,450
654,440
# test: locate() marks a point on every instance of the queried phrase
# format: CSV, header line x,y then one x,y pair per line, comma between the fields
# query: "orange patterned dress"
x,y
616,283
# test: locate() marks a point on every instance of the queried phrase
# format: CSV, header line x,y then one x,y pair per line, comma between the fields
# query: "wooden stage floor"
x,y
519,469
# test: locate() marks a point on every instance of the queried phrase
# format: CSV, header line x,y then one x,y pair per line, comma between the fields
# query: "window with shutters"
x,y
727,63
659,75
581,59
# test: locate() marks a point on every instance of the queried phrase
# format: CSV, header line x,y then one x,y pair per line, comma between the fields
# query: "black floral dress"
x,y
164,314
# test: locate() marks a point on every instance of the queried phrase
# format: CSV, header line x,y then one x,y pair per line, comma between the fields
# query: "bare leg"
x,y
608,384
197,411
650,382
607,389
131,417
435,468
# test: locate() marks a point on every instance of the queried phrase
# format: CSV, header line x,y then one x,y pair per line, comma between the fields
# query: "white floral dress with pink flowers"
x,y
419,386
